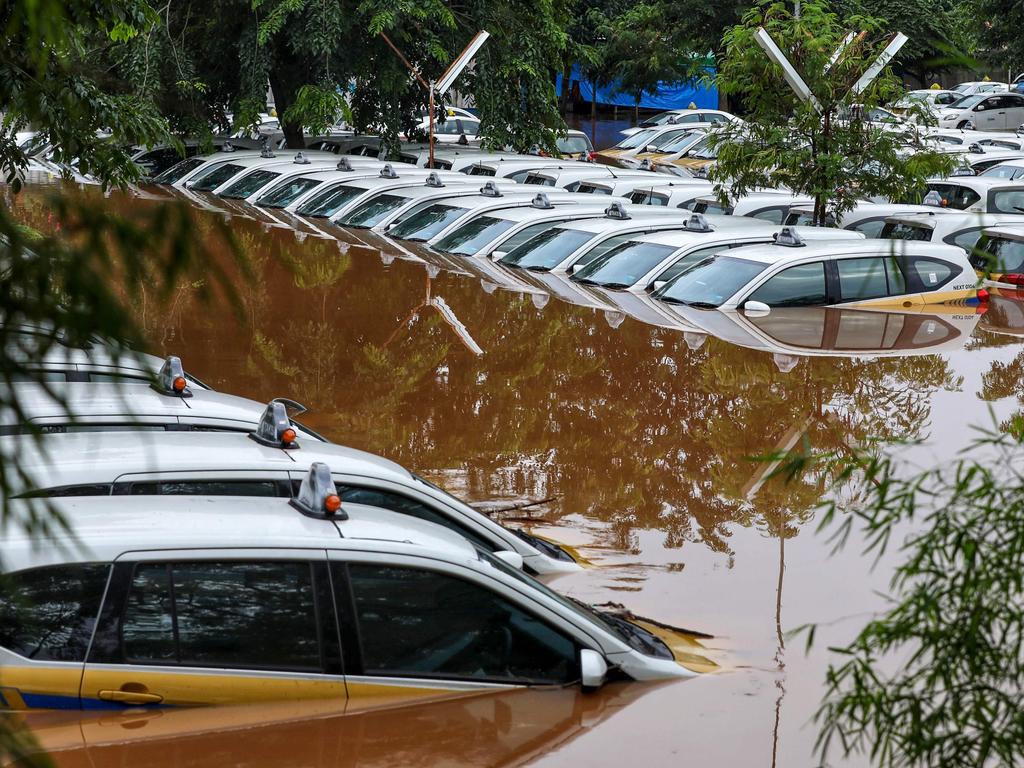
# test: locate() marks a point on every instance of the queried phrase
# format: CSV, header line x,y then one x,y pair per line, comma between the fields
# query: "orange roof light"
x,y
179,383
332,504
288,435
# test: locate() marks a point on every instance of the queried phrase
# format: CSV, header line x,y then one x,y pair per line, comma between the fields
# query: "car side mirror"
x,y
650,148
498,255
508,557
572,269
756,308
593,669
980,108
657,285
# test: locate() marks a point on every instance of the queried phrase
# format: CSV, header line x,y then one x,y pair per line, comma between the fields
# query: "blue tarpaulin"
x,y
668,95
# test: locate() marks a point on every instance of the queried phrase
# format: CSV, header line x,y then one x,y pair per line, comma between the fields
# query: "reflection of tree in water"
x,y
628,426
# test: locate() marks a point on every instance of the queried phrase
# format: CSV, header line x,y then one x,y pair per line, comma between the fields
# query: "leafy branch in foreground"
x,y
938,678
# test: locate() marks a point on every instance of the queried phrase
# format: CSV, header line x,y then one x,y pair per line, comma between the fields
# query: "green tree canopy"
x,y
824,147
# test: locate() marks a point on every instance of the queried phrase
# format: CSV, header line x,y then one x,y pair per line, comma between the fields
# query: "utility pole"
x,y
447,79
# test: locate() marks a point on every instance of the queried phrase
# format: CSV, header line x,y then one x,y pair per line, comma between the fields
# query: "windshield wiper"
x,y
534,267
696,304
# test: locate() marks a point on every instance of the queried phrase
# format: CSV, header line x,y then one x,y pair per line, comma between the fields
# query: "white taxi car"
x,y
647,262
984,112
983,194
865,217
198,600
579,242
999,255
497,232
383,209
266,462
792,273
443,216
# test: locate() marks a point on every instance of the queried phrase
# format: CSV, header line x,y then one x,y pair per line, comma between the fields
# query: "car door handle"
x,y
131,696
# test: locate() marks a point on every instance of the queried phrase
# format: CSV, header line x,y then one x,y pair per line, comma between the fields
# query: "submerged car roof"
x,y
121,402
772,254
102,528
731,227
101,457
638,214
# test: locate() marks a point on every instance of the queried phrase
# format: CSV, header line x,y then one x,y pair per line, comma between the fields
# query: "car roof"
x,y
730,227
772,254
124,399
455,187
527,212
102,528
978,181
639,214
101,457
954,219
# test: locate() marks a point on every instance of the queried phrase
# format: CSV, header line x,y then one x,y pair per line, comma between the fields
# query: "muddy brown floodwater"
x,y
639,436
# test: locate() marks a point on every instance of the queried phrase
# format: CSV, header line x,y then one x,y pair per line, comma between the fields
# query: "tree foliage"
x,y
828,150
938,677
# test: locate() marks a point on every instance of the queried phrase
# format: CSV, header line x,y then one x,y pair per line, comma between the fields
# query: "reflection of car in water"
x,y
833,332
511,728
1005,314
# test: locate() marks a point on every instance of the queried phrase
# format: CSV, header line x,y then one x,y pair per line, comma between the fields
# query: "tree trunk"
x,y
285,84
564,97
636,111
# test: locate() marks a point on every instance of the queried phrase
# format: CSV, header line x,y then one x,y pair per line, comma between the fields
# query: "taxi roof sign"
x,y
318,496
171,378
275,429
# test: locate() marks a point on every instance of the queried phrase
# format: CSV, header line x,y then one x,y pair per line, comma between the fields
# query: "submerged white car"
x,y
792,273
266,462
199,600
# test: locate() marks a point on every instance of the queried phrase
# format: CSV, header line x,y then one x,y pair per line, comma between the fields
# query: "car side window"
x,y
48,614
1011,201
932,274
418,623
268,488
799,286
774,215
965,197
233,614
861,279
870,228
966,239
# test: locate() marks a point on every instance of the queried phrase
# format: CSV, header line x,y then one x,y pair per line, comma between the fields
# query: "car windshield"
x,y
214,177
573,145
474,235
968,101
178,170
900,230
249,184
672,170
428,222
659,119
330,201
623,266
711,282
638,139
703,150
371,212
286,193
679,143
546,250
